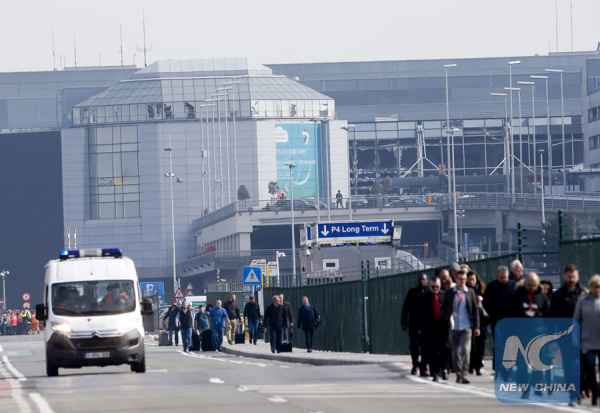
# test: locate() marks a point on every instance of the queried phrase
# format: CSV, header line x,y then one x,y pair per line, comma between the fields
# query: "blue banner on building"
x,y
298,143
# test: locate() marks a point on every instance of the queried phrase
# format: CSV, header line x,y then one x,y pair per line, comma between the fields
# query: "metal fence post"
x,y
560,225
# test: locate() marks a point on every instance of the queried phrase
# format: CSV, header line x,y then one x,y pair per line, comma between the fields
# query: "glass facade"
x,y
114,172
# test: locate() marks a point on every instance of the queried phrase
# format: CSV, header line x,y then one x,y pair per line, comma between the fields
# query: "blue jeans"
x,y
217,336
186,337
253,331
176,331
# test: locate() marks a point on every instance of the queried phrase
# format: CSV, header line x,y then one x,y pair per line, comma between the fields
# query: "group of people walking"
x,y
449,316
222,320
16,322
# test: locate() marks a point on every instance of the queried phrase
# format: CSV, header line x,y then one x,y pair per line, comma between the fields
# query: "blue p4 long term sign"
x,y
347,232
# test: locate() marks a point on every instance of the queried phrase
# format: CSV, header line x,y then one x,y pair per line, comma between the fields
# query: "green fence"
x,y
585,254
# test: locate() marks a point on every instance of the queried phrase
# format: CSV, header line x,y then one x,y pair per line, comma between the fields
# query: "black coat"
x,y
496,299
171,315
521,307
428,325
308,319
186,318
252,311
232,310
410,315
275,317
563,300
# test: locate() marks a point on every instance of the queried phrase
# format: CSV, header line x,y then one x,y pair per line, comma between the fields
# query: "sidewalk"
x,y
262,350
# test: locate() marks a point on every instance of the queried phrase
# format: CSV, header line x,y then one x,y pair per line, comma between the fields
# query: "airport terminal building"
x,y
204,128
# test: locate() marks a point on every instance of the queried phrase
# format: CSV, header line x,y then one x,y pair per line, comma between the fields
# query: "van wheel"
x,y
139,367
51,369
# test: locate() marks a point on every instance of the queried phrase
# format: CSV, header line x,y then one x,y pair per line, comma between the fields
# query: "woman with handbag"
x,y
478,343
308,320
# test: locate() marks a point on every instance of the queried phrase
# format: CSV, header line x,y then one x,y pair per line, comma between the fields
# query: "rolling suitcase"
x,y
195,342
240,336
286,347
206,341
163,339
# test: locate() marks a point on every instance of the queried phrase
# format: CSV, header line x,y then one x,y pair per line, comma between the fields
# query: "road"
x,y
218,382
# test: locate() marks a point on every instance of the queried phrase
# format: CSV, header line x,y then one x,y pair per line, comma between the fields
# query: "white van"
x,y
93,311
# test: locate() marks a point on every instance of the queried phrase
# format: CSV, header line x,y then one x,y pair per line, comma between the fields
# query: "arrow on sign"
x,y
325,232
385,230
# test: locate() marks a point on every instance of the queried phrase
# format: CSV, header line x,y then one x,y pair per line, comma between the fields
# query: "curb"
x,y
288,358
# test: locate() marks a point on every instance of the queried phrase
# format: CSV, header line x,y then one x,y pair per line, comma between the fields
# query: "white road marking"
x,y
492,394
14,378
224,360
215,380
41,403
157,371
277,399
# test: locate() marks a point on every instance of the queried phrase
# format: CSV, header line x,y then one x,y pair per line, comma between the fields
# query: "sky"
x,y
281,31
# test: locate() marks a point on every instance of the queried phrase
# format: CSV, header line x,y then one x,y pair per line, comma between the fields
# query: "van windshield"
x,y
86,298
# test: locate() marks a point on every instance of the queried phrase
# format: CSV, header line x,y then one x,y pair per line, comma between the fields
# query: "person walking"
x,y
338,199
587,314
218,319
185,318
478,343
275,319
172,324
233,312
410,321
434,326
308,321
461,302
289,319
252,316
201,321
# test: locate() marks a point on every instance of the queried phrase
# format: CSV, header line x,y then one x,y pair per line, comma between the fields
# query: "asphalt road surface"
x,y
217,382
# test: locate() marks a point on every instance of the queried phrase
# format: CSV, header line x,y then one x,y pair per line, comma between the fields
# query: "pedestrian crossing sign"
x,y
252,275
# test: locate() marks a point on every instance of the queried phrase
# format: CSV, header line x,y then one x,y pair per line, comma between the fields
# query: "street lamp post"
x,y
317,164
534,143
506,152
292,166
547,131
541,151
171,175
562,126
278,254
512,144
4,273
446,67
453,188
518,89
347,128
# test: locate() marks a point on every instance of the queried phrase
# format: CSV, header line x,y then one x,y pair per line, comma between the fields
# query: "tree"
x,y
571,230
243,193
273,188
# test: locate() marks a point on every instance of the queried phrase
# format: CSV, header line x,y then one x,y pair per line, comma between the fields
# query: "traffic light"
x,y
520,239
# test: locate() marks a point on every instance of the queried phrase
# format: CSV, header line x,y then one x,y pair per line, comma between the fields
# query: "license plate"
x,y
99,355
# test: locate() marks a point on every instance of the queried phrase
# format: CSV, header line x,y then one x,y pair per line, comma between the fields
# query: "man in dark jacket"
x,y
275,319
289,318
308,320
234,317
172,324
462,304
562,305
252,316
434,326
185,318
410,321
529,301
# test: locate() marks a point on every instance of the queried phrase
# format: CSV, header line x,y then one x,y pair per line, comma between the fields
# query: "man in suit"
x,y
433,325
461,303
308,320
410,322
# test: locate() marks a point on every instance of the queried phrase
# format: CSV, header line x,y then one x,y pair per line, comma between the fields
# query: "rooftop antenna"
x,y
556,24
571,26
74,47
100,59
121,32
53,51
144,49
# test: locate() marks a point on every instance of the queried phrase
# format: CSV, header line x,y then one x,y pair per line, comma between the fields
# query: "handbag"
x,y
316,322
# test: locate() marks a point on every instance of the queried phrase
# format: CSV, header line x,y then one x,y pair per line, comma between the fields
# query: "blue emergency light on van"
x,y
94,252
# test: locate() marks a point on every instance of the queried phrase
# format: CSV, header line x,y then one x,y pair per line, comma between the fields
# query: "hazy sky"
x,y
281,31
